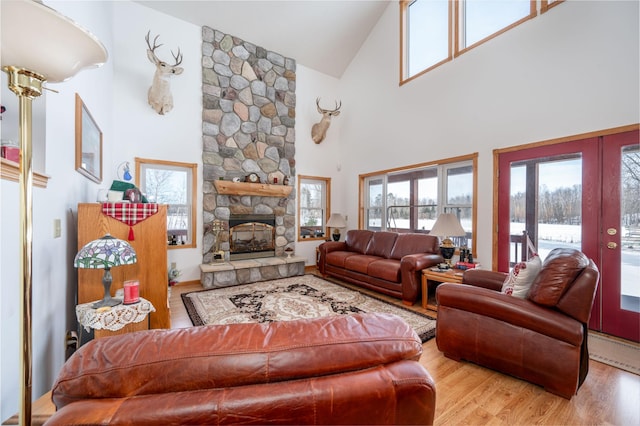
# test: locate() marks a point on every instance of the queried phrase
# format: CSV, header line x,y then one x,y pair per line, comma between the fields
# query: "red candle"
x,y
131,292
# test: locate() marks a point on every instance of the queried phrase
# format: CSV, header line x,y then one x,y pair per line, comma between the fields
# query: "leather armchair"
x,y
353,369
541,339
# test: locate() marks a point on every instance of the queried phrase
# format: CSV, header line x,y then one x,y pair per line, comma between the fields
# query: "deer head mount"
x,y
319,130
159,95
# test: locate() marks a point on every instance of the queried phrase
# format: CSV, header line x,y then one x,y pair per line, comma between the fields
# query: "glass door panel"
x,y
620,271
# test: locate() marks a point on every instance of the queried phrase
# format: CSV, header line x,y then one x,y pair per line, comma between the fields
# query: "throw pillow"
x,y
519,280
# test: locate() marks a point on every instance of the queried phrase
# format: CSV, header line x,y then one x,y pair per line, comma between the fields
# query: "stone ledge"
x,y
249,263
227,274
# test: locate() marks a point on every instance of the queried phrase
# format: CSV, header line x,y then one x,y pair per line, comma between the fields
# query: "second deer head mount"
x,y
159,96
319,130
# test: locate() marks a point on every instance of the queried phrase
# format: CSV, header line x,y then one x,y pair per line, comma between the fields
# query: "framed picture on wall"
x,y
88,143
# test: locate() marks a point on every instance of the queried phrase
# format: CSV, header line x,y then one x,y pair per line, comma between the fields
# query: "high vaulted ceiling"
x,y
323,35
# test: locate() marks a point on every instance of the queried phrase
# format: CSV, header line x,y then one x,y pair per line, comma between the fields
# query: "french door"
x,y
583,194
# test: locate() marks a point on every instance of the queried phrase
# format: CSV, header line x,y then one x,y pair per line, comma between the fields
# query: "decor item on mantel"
x,y
319,130
447,225
29,59
105,253
159,95
336,221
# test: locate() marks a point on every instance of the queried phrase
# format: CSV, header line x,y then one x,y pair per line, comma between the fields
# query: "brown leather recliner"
x,y
541,339
352,369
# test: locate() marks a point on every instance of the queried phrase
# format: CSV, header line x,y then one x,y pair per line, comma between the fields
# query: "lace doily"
x,y
115,318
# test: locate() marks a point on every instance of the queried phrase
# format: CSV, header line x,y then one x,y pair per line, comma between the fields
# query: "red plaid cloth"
x,y
130,213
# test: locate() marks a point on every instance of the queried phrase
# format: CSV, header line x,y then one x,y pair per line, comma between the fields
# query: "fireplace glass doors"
x,y
251,236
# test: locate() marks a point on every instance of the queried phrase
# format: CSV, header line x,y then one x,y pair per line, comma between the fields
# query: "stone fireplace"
x,y
248,97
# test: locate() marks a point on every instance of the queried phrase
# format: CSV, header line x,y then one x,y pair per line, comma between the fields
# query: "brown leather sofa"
x,y
351,369
387,262
541,339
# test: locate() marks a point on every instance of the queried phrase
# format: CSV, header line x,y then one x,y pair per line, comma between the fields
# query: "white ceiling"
x,y
323,35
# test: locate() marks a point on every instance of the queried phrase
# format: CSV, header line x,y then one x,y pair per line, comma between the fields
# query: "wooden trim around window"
x,y
194,187
548,4
327,214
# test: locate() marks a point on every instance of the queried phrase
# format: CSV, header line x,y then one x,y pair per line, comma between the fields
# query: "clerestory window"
x,y
433,32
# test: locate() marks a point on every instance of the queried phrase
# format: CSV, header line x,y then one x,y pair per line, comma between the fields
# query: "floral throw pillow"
x,y
521,277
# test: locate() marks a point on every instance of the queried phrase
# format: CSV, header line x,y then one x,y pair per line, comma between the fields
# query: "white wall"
x,y
569,71
54,279
139,130
323,159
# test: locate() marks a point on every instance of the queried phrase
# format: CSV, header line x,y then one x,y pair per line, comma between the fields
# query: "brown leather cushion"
x,y
337,258
559,270
359,262
414,243
381,244
358,239
385,269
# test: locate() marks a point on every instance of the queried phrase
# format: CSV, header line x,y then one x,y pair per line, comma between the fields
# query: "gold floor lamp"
x,y
38,45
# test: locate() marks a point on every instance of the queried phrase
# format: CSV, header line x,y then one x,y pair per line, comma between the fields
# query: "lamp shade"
x,y
336,220
39,39
447,225
105,253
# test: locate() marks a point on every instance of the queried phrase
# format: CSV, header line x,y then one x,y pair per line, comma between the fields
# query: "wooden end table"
x,y
436,276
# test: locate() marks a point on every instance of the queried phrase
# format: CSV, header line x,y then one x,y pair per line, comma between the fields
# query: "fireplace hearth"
x,y
251,236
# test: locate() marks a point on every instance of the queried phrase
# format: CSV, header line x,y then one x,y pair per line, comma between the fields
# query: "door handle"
x,y
611,245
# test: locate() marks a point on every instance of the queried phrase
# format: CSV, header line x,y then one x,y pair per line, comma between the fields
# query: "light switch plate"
x,y
57,228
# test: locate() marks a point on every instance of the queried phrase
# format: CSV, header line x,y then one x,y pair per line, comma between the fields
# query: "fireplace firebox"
x,y
252,236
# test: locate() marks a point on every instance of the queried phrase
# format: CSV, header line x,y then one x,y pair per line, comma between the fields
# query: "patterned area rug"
x,y
289,299
614,352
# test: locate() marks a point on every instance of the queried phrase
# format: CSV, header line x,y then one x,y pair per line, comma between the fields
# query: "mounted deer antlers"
x,y
319,130
159,95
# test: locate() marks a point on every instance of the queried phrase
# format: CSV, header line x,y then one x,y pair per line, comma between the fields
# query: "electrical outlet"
x,y
173,265
57,228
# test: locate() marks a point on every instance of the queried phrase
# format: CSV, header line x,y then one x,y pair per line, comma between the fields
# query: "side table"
x,y
119,319
436,276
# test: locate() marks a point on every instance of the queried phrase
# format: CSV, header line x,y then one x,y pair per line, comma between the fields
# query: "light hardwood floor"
x,y
470,394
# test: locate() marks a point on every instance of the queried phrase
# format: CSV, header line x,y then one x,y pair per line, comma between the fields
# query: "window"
x,y
478,20
174,184
431,30
411,198
313,207
427,35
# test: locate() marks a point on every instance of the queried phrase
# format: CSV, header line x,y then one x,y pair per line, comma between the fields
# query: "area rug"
x,y
287,299
616,353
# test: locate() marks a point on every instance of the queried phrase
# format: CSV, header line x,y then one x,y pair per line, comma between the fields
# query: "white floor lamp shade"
x,y
37,44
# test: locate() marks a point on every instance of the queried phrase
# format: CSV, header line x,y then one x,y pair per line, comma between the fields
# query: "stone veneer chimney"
x,y
248,122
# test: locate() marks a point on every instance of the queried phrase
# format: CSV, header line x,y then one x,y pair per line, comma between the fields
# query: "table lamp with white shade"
x,y
336,221
447,225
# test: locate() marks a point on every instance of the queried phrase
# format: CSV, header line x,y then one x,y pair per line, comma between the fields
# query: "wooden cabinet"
x,y
150,244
